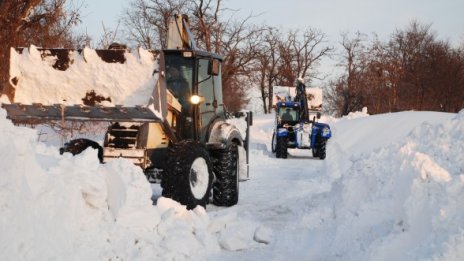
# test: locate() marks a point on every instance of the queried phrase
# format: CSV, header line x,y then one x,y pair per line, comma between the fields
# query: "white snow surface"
x,y
129,84
391,188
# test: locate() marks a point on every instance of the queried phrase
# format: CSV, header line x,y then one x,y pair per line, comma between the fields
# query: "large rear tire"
x,y
226,169
188,175
281,148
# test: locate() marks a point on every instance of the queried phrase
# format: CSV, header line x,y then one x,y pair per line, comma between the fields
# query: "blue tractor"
x,y
295,129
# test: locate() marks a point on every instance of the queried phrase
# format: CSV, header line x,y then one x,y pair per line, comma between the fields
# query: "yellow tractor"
x,y
182,136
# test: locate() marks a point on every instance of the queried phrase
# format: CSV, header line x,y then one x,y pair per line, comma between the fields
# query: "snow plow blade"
x,y
21,113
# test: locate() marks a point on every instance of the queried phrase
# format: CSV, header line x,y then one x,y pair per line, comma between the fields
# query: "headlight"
x,y
325,131
195,99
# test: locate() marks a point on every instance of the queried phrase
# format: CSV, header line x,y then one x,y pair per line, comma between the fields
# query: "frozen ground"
x,y
390,188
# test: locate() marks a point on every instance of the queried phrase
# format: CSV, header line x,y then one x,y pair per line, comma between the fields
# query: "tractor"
x,y
182,137
294,128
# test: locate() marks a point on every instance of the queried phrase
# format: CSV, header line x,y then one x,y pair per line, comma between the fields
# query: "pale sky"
x,y
330,16
367,16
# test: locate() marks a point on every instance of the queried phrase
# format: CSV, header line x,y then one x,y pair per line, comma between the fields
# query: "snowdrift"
x,y
402,199
73,208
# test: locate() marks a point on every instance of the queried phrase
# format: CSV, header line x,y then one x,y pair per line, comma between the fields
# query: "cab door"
x,y
206,83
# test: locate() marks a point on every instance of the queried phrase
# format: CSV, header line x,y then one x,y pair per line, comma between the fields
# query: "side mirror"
x,y
214,67
318,115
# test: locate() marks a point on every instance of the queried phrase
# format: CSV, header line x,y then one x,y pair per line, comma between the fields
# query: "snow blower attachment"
x,y
296,113
164,111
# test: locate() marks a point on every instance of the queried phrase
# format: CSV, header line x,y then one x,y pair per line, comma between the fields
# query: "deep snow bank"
x,y
402,201
64,207
359,134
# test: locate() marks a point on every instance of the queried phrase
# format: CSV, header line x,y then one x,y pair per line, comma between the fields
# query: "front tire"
x,y
226,168
281,148
188,175
320,150
274,142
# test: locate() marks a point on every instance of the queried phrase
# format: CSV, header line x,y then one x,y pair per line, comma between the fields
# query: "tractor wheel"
x,y
281,147
320,149
226,169
314,150
274,141
188,175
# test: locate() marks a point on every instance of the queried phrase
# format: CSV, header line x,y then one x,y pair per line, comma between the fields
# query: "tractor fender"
x,y
324,130
225,133
318,129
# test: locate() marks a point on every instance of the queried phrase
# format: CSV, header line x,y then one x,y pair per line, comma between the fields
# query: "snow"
x,y
126,84
61,207
391,186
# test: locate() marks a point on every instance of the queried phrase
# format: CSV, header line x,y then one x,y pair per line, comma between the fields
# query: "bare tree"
x,y
146,21
266,66
40,22
207,25
353,91
411,71
300,54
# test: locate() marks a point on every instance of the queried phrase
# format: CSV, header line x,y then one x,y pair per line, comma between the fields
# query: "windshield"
x,y
288,114
179,75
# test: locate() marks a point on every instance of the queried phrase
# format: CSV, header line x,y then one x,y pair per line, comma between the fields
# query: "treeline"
x,y
410,71
413,70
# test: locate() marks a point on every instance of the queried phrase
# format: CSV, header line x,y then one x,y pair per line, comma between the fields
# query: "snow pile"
x,y
128,84
403,201
356,114
61,207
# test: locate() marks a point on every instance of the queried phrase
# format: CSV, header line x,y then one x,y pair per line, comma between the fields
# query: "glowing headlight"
x,y
195,99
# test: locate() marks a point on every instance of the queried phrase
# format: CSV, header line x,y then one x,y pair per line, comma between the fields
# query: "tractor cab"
x,y
288,113
194,78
